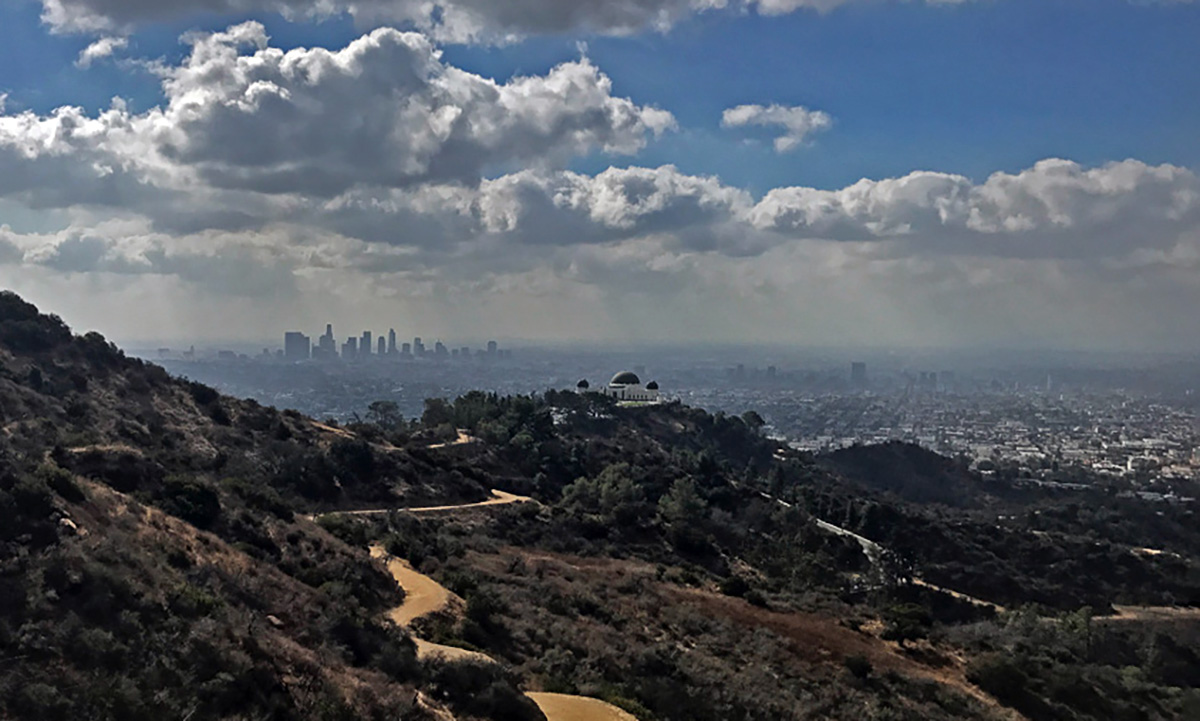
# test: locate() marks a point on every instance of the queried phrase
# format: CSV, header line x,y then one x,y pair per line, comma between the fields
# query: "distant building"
x,y
364,343
350,348
464,352
492,347
383,346
326,348
439,349
624,386
418,347
296,346
391,347
858,373
406,349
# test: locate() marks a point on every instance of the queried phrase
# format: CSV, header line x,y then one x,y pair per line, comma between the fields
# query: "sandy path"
x,y
560,707
1130,614
462,440
423,596
499,498
961,596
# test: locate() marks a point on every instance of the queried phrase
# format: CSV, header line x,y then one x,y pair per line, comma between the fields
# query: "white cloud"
x,y
1057,207
99,50
384,111
446,20
377,175
798,122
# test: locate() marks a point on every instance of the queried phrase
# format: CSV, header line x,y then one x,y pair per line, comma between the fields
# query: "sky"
x,y
889,173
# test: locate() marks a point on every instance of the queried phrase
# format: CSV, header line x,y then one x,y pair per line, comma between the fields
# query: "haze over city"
x,y
1013,173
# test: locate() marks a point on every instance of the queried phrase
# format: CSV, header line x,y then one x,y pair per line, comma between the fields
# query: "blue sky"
x,y
579,203
969,88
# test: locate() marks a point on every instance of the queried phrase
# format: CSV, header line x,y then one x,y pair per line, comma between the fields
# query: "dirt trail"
x,y
499,498
424,596
961,596
463,439
560,707
1132,614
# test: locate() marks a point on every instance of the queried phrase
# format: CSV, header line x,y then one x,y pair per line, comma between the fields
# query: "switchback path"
x,y
424,596
499,498
560,707
463,439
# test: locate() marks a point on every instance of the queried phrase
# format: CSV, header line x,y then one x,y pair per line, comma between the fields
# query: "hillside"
x,y
908,471
168,552
154,563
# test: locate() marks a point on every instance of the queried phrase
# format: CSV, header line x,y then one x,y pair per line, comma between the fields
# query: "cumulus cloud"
x,y
384,111
1055,207
378,173
99,50
798,122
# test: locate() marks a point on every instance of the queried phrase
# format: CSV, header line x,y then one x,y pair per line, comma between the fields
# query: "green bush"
x,y
193,500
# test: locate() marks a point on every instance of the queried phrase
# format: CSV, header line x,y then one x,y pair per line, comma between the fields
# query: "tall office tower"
x,y
406,349
439,349
381,347
492,347
391,346
858,373
296,346
350,348
364,344
464,352
327,344
418,347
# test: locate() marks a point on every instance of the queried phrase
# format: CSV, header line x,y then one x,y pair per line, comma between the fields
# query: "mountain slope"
x,y
153,560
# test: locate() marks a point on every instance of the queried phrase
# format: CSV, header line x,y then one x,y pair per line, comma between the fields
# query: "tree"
x,y
753,420
682,504
437,413
906,622
385,414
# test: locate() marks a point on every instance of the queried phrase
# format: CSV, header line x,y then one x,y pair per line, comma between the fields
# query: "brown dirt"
x,y
422,594
462,440
499,498
961,596
1148,614
560,707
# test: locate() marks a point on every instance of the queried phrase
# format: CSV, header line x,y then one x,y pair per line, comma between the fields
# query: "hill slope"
x,y
154,562
157,561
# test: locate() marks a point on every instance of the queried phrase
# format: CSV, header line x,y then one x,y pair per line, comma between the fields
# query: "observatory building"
x,y
625,386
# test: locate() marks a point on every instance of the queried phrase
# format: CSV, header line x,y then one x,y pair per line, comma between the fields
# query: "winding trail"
x,y
561,707
424,596
499,498
463,439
